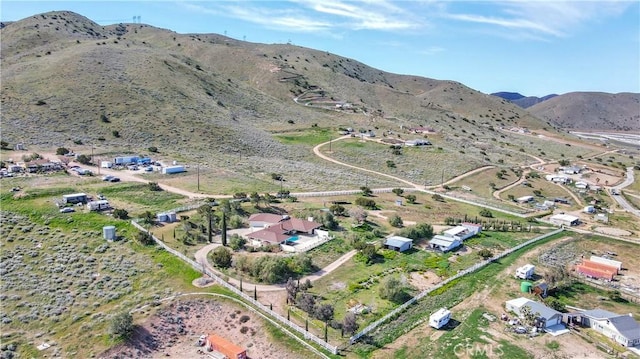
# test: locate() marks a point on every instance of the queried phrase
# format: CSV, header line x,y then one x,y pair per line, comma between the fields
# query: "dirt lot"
x,y
175,328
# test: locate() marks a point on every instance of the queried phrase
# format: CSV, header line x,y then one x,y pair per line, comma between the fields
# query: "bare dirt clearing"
x,y
175,328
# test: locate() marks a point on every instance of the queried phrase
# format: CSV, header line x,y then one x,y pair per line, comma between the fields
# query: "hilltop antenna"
x,y
139,21
244,37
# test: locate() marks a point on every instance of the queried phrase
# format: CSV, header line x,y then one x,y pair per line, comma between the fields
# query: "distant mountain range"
x,y
583,110
521,100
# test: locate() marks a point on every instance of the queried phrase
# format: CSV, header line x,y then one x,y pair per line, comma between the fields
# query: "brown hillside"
x,y
209,98
592,111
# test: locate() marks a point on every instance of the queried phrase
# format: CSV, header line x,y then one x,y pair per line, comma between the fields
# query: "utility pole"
x,y
330,139
442,177
198,171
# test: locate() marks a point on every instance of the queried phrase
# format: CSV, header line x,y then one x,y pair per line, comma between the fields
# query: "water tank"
x,y
172,217
525,287
109,233
162,217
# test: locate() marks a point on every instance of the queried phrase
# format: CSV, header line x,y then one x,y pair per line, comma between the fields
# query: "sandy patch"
x,y
613,231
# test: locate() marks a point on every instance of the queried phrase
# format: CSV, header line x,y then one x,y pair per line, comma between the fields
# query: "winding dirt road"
x,y
201,257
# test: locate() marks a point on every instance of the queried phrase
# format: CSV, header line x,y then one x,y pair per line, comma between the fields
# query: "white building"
x,y
444,243
607,261
589,209
558,179
440,318
524,199
621,328
545,316
564,220
525,272
582,185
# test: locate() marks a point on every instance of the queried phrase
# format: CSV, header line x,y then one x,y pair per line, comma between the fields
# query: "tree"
x,y
337,209
306,302
393,289
144,238
486,213
366,202
564,162
237,242
292,290
148,218
115,133
221,257
554,303
366,191
206,210
4,144
324,312
121,325
349,323
153,149
395,221
155,187
84,159
418,232
485,253
254,197
437,197
537,193
358,214
368,252
398,191
120,213
223,235
512,198
411,198
61,151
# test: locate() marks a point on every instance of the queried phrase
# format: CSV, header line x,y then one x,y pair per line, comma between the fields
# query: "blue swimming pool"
x,y
292,239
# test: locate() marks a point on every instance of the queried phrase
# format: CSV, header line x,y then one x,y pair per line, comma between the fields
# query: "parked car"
x,y
107,178
67,210
148,169
114,179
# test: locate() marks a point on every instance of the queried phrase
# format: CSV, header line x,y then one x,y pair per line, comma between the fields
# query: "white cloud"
x,y
543,18
432,50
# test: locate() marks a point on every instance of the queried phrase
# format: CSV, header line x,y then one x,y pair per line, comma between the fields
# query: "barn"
x,y
399,244
565,220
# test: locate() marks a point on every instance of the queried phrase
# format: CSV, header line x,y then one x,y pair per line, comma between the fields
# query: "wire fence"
x,y
282,320
460,274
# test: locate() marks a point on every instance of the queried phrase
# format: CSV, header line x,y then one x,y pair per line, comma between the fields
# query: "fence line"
x,y
460,274
197,266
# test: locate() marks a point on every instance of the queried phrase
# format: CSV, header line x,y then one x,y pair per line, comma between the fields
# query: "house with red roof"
x,y
270,229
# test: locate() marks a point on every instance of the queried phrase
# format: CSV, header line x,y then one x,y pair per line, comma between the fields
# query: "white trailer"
x,y
172,169
525,272
100,205
74,198
440,318
106,164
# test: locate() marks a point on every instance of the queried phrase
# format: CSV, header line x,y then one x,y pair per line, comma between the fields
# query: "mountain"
x,y
231,104
521,100
592,111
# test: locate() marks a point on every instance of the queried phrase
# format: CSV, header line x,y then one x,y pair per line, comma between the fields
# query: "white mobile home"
x,y
100,205
106,164
125,160
74,198
525,272
440,318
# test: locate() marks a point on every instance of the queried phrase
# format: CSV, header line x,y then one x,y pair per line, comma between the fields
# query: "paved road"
x,y
620,199
201,257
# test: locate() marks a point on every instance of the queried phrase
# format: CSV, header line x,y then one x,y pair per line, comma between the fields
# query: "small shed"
x,y
221,345
525,287
399,244
440,318
109,233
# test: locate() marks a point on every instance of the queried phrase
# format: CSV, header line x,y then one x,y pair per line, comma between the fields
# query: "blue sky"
x,y
532,47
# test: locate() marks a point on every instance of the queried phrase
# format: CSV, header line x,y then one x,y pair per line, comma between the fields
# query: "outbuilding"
x,y
100,205
225,347
173,169
399,244
440,318
545,317
444,243
524,199
565,220
74,198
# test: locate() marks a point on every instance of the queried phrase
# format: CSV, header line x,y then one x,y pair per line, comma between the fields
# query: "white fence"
x,y
422,294
331,348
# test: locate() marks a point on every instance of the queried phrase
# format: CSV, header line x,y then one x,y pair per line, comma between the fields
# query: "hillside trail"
x,y
202,253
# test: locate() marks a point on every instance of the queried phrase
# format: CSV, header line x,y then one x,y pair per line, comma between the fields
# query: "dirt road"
x,y
201,257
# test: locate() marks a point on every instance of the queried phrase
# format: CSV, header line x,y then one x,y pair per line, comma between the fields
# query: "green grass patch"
x,y
310,137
